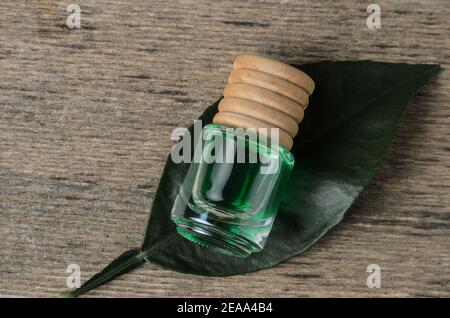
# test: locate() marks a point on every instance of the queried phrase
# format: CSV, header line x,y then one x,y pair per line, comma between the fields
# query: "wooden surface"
x,y
85,124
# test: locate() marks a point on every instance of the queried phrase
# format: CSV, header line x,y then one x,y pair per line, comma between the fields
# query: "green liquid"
x,y
231,205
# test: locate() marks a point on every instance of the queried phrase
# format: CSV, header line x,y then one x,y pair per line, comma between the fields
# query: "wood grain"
x,y
85,123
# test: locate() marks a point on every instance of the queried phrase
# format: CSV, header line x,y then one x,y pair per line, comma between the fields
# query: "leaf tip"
x,y
436,67
432,69
67,294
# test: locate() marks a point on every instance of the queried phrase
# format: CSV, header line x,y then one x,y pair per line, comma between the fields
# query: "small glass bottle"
x,y
230,196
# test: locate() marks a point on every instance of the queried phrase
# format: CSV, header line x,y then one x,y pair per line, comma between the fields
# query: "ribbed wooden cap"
x,y
265,93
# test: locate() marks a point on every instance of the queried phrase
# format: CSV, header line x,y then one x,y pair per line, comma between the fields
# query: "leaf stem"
x,y
125,263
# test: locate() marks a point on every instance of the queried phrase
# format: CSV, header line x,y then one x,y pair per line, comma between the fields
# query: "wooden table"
x,y
85,123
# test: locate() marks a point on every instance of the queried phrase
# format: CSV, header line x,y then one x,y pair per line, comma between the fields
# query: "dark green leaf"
x,y
125,263
351,120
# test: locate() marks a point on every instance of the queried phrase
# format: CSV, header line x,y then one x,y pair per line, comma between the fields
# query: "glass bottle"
x,y
230,195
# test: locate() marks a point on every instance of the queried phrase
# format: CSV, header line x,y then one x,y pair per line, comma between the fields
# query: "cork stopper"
x,y
265,93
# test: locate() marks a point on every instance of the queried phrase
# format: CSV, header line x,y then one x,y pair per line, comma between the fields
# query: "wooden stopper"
x,y
266,97
271,82
242,121
264,93
267,65
259,111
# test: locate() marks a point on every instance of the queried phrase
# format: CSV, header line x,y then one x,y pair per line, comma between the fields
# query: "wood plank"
x,y
86,117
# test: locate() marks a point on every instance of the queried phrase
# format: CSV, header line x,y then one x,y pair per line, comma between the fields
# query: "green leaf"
x,y
348,126
125,263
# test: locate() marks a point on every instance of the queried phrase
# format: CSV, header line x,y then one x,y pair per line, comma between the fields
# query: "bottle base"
x,y
212,237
